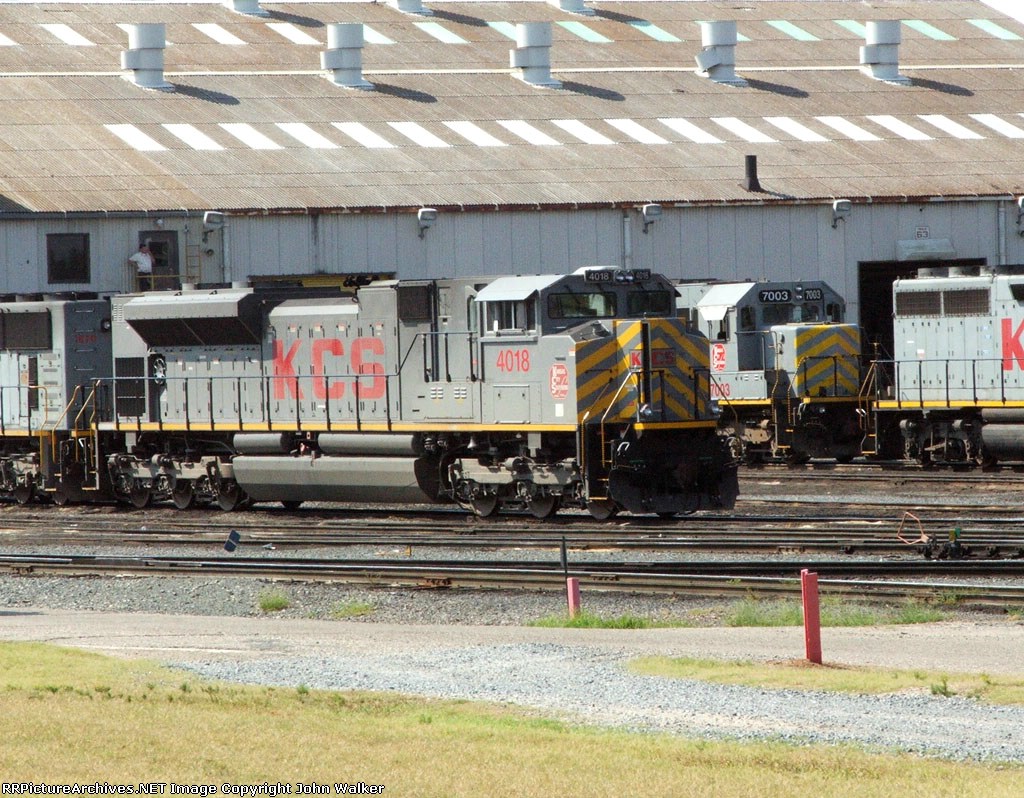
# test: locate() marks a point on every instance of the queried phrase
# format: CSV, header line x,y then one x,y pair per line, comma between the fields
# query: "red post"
x,y
812,615
572,593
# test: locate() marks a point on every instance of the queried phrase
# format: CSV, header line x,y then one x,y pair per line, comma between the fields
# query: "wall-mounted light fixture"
x,y
426,218
1020,216
213,220
841,209
650,213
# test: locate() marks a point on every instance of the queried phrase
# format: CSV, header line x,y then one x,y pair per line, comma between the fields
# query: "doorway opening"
x,y
163,246
874,291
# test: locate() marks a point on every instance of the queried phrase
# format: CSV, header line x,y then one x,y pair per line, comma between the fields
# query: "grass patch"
x,y
801,675
157,725
834,612
352,609
589,620
274,601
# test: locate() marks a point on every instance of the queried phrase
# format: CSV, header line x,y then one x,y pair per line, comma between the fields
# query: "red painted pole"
x,y
812,615
572,593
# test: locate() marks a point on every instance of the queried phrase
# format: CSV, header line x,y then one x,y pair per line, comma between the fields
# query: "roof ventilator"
x,y
532,54
717,58
573,7
343,57
879,57
145,56
411,7
251,7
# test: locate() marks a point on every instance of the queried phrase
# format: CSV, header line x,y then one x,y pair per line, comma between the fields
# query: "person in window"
x,y
143,261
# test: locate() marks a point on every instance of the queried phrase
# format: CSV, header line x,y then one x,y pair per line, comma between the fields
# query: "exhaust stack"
x,y
750,181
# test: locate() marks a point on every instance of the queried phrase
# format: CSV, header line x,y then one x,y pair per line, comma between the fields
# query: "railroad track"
x,y
863,534
714,578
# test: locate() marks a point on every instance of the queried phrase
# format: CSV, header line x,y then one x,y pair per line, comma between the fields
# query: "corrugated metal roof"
x,y
448,126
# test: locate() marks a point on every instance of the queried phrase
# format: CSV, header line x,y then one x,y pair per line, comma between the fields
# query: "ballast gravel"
x,y
589,683
595,687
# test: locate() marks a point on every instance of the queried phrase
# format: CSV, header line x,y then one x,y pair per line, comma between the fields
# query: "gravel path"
x,y
470,645
594,687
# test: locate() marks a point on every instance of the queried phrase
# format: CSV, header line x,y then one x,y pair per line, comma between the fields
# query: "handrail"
x,y
941,370
611,404
67,407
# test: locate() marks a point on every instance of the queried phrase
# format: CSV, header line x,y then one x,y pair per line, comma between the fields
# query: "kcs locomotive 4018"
x,y
581,390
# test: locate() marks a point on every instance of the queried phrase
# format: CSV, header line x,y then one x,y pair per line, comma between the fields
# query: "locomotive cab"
x,y
784,366
615,385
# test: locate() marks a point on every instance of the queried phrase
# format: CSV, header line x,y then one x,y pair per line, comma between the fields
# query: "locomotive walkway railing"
x,y
951,382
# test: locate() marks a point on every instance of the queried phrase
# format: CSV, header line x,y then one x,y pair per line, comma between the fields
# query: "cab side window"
x,y
511,316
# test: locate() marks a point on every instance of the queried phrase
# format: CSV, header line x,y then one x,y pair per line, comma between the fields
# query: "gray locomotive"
x,y
579,390
953,393
785,368
53,349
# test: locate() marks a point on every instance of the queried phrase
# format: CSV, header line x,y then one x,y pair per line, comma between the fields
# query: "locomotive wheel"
x,y
23,494
60,496
291,504
184,494
484,506
229,496
141,496
602,509
544,506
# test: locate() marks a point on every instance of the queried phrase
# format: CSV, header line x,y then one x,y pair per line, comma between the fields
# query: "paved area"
x,y
987,647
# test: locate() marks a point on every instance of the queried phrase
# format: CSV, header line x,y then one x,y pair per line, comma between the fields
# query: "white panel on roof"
x,y
510,289
715,304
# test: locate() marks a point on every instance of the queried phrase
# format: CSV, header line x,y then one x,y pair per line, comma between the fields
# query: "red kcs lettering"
x,y
320,382
284,371
361,361
1012,348
368,389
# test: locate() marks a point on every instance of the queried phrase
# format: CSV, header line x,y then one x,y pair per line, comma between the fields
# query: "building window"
x,y
67,258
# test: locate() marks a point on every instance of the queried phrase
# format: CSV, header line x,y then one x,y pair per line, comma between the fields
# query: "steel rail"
x,y
688,578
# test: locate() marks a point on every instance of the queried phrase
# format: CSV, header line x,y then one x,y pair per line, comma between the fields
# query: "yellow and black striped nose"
x,y
827,360
658,356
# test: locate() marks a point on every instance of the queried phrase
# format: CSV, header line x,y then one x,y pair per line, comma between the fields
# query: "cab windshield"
x,y
594,305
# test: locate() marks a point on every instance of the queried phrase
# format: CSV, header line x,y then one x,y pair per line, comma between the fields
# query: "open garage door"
x,y
874,291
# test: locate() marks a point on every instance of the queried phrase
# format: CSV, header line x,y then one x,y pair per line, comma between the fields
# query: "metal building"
x,y
451,139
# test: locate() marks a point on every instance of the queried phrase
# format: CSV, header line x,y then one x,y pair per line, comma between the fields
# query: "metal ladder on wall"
x,y
193,264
